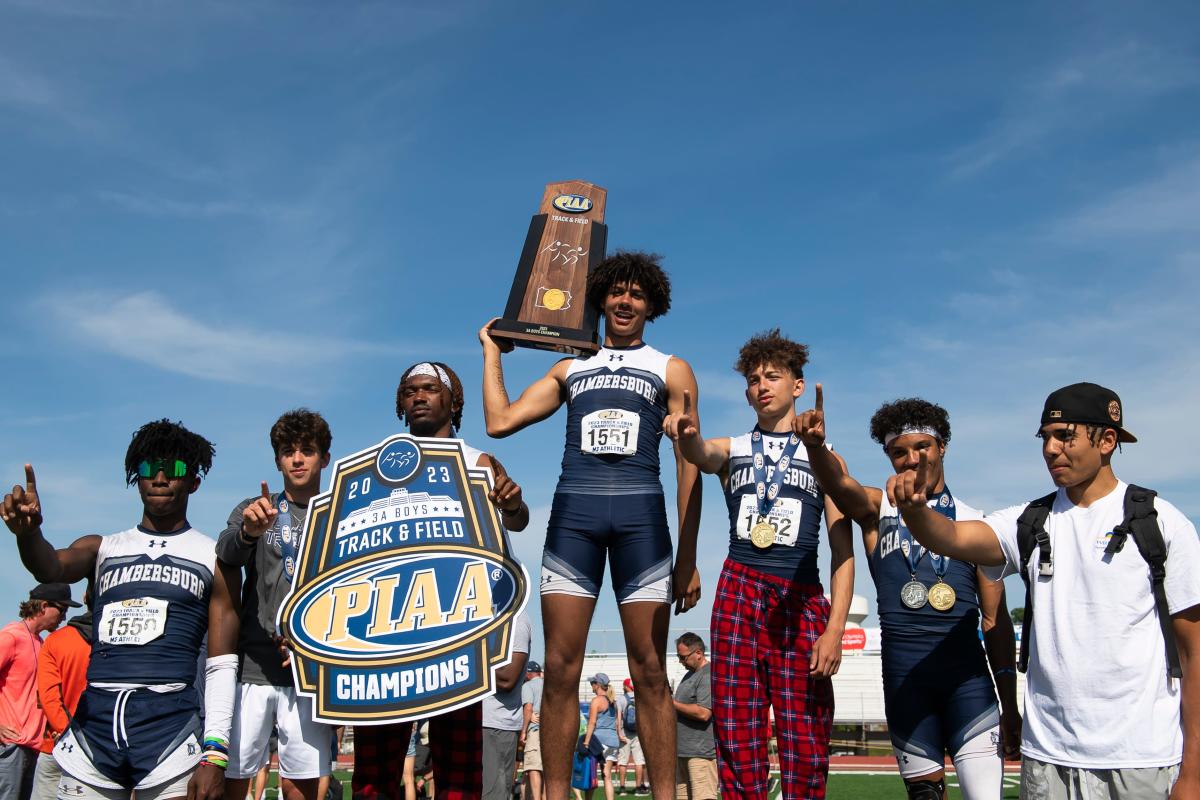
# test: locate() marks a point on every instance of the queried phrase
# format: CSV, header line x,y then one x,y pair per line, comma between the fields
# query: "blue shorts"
x,y
131,739
628,530
935,707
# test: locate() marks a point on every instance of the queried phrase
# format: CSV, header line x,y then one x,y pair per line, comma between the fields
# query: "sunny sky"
x,y
216,211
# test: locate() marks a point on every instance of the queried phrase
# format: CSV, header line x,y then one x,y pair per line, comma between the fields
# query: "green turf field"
x,y
841,787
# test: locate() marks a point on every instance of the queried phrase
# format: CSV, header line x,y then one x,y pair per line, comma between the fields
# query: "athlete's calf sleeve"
x,y
220,685
926,789
980,766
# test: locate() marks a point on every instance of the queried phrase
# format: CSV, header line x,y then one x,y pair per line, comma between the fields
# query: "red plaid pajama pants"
x,y
455,751
763,630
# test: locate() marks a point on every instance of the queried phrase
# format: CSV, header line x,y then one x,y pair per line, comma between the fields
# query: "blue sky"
x,y
217,211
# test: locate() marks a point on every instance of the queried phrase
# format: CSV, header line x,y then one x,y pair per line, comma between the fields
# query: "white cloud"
x,y
1166,204
233,353
1076,93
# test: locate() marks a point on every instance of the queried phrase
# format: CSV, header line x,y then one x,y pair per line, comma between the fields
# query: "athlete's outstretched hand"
x,y
207,783
485,338
505,493
810,426
681,427
22,509
259,516
910,489
826,656
685,585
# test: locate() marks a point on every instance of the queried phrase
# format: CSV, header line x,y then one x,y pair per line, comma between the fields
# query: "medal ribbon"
x,y
768,492
917,551
289,539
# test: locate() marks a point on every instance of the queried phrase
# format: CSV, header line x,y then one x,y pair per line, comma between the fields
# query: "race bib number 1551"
x,y
610,431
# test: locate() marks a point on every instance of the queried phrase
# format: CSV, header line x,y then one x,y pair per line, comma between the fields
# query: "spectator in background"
x,y
61,679
21,721
631,747
696,771
531,704
503,717
602,728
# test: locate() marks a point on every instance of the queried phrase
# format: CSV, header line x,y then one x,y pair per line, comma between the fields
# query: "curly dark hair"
x,y
909,412
166,439
301,426
457,401
631,266
771,347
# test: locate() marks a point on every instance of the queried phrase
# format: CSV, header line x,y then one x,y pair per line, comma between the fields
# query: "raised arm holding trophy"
x,y
608,504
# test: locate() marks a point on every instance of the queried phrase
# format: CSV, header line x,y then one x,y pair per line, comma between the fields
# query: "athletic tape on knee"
x,y
220,685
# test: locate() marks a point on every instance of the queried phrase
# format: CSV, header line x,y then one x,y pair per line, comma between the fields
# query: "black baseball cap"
x,y
1087,404
54,593
533,666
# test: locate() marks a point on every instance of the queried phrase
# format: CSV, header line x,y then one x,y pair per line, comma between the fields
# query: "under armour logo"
x,y
616,357
157,543
775,445
191,749
70,748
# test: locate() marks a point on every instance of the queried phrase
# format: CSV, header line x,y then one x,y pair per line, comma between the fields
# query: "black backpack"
x,y
1141,520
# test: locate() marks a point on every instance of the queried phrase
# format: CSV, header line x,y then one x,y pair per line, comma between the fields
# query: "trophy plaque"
x,y
547,307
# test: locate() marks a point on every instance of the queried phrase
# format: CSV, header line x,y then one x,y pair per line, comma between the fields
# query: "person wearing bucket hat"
x,y
21,718
1111,640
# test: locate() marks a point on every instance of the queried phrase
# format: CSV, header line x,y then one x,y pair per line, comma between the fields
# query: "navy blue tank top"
x,y
151,609
890,569
796,513
616,404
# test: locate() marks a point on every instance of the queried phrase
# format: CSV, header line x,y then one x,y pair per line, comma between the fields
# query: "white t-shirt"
x,y
1098,695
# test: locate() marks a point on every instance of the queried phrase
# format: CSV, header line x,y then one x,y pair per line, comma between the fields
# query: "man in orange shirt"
x,y
61,679
21,721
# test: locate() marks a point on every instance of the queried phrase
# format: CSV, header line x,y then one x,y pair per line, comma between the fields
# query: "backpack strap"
x,y
1031,533
1141,520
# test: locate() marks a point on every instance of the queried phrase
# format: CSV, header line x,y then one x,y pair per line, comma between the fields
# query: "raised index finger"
x,y
266,493
687,401
820,398
30,479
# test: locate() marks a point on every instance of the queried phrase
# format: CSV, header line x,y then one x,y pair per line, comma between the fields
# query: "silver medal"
x,y
913,594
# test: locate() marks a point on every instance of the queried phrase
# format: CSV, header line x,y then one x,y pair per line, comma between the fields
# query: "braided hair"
x,y
457,400
166,439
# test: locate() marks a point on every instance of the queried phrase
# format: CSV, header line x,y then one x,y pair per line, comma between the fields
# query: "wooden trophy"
x,y
547,307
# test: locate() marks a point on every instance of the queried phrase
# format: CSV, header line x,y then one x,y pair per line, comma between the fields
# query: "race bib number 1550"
x,y
136,621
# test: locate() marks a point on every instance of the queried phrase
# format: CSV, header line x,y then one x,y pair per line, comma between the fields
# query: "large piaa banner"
x,y
405,591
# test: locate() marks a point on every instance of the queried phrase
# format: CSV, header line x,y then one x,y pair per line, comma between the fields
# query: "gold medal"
x,y
942,596
762,535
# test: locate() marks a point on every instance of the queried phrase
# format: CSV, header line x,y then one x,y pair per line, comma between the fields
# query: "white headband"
x,y
906,430
432,370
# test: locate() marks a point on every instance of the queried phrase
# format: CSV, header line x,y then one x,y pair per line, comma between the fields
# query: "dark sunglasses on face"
x,y
171,467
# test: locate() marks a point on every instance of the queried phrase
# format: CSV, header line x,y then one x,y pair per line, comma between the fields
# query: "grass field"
x,y
841,787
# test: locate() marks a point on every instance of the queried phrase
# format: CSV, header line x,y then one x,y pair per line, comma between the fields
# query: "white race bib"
x,y
784,517
137,621
610,431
